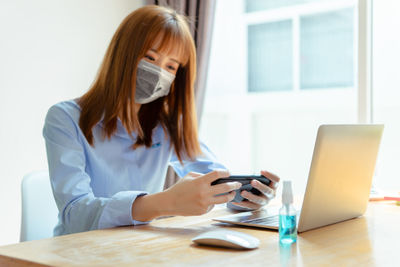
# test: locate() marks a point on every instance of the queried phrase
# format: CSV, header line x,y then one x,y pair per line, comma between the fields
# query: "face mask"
x,y
152,82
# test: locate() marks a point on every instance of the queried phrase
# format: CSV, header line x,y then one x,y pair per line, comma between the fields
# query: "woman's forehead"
x,y
170,47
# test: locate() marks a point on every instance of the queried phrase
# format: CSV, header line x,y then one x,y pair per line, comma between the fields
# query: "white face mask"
x,y
152,82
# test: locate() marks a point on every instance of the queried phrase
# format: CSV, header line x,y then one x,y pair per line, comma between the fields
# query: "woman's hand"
x,y
194,194
268,192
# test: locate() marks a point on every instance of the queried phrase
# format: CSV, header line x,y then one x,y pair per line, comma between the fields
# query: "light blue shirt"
x,y
94,187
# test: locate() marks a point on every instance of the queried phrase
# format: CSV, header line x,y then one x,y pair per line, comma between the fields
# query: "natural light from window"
x,y
276,73
279,69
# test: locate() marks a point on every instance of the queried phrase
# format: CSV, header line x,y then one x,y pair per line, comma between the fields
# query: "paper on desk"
x,y
378,195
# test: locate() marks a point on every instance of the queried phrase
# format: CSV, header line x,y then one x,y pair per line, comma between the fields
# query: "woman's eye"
x,y
171,67
149,57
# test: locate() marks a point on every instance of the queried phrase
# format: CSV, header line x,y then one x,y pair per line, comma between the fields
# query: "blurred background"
x,y
278,69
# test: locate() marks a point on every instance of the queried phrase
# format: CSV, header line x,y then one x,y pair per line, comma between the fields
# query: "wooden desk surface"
x,y
371,240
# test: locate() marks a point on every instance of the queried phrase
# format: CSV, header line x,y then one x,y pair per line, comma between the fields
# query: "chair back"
x,y
39,210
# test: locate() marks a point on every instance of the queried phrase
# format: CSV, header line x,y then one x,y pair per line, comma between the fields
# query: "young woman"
x,y
108,151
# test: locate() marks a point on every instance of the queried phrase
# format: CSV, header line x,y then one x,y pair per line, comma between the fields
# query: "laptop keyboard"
x,y
270,220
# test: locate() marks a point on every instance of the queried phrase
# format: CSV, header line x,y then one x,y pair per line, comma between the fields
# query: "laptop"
x,y
339,180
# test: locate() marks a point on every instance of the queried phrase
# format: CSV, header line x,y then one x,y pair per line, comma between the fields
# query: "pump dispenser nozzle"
x,y
287,195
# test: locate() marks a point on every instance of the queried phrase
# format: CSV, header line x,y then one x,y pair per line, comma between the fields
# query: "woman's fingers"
x,y
247,204
224,198
225,187
259,200
214,175
268,192
265,189
273,177
214,194
225,192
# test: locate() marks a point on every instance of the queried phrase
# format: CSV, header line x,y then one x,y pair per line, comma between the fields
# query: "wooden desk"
x,y
371,240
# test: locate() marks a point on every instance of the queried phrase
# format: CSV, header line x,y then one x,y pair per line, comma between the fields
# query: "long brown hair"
x,y
113,91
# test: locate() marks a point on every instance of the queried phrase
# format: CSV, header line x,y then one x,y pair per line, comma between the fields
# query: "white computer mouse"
x,y
227,238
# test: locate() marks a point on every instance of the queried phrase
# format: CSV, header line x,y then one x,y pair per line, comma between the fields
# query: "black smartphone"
x,y
245,180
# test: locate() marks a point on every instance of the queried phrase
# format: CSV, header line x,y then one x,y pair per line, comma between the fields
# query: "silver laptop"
x,y
339,181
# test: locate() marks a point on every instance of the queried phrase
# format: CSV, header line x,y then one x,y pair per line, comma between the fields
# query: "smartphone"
x,y
245,180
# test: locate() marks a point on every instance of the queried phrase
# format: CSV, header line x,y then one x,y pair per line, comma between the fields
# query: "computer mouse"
x,y
228,239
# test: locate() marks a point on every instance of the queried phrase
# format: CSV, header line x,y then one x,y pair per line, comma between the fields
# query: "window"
x,y
327,50
257,5
278,69
315,45
270,57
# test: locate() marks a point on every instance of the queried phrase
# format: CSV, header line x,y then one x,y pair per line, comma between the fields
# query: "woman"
x,y
108,151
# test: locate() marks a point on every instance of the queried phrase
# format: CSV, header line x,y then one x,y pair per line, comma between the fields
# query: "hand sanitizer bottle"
x,y
287,216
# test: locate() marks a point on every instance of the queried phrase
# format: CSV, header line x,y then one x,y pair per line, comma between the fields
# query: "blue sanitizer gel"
x,y
287,229
287,216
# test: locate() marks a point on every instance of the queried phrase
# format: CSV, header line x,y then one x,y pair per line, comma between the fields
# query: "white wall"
x,y
49,51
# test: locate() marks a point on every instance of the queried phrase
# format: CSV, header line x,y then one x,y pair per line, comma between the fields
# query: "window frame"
x,y
294,13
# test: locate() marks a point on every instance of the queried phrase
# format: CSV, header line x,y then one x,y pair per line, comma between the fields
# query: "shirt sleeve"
x,y
202,164
79,209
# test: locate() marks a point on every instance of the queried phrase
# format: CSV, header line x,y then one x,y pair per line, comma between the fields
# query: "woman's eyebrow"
x,y
173,59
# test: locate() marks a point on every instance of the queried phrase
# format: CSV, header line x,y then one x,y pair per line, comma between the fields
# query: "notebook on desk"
x,y
339,180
